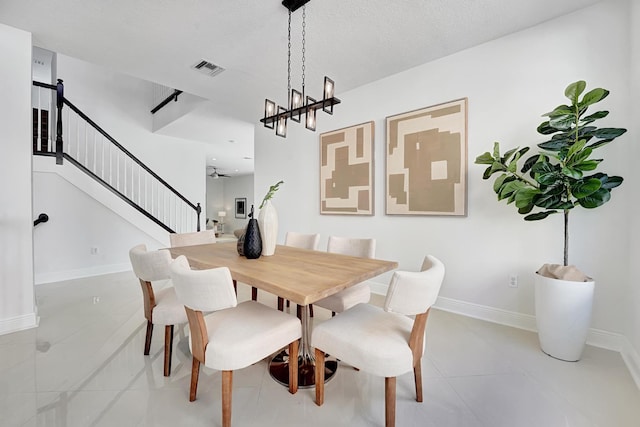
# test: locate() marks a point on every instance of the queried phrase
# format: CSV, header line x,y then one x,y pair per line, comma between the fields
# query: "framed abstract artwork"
x,y
241,207
346,170
426,161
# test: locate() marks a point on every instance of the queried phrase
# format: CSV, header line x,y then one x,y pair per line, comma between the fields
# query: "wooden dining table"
x,y
299,275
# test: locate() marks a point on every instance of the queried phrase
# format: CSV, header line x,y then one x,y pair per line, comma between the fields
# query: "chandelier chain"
x,y
304,25
289,62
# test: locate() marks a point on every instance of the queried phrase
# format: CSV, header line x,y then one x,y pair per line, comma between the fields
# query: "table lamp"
x,y
221,215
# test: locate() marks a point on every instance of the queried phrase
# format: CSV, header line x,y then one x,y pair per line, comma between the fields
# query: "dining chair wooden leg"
x,y
227,386
390,401
280,303
254,294
147,340
319,377
195,371
417,374
168,346
293,367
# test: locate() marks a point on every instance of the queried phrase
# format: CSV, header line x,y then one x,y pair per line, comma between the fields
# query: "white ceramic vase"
x,y
268,223
563,316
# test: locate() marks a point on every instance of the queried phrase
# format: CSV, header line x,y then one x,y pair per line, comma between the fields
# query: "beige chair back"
x,y
150,266
203,290
191,239
302,241
412,293
364,248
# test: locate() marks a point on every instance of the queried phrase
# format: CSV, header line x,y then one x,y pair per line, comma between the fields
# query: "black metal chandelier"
x,y
298,104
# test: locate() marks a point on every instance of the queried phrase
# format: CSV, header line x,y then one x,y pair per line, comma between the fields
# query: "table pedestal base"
x,y
279,369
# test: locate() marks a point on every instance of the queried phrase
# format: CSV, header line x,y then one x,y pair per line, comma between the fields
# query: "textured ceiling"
x,y
354,42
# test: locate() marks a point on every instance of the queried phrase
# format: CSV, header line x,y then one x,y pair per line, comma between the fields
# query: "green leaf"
x,y
554,144
560,110
507,155
509,188
587,165
609,133
562,122
584,188
525,210
545,129
548,201
574,90
484,159
524,197
572,173
499,182
548,178
538,215
496,150
576,147
595,199
595,116
593,96
608,182
578,156
528,164
600,143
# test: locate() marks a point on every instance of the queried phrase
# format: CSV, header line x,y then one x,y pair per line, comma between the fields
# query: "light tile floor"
x,y
83,366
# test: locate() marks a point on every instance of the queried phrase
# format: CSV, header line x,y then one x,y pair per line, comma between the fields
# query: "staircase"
x,y
91,150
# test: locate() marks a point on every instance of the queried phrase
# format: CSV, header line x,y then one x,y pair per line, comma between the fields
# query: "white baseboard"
x,y
597,337
632,360
18,323
59,276
490,314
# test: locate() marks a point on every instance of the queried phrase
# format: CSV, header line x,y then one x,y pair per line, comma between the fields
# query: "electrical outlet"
x,y
96,300
93,250
513,280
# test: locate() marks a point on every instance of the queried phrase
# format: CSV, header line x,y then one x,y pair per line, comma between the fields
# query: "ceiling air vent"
x,y
208,68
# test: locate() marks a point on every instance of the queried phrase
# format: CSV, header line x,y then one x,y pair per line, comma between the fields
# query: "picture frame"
x,y
241,207
347,170
426,161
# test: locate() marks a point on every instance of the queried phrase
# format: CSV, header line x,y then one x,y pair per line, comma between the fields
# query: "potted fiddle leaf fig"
x,y
558,178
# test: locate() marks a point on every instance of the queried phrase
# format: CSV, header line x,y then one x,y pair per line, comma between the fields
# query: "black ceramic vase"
x,y
252,239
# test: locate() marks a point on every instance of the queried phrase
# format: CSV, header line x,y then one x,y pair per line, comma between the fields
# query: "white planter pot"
x,y
563,316
268,223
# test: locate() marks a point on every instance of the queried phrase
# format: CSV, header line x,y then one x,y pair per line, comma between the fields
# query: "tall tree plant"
x,y
557,179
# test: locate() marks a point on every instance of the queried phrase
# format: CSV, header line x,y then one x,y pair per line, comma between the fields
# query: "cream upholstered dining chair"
x,y
233,335
191,239
302,241
196,238
384,342
161,306
360,293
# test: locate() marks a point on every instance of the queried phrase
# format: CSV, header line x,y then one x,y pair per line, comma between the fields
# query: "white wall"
x,y
17,305
120,105
632,299
509,82
215,197
239,186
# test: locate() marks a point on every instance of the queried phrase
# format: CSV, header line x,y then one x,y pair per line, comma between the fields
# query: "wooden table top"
x,y
299,275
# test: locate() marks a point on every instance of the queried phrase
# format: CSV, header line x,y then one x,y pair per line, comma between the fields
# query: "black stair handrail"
x,y
43,217
173,97
60,99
